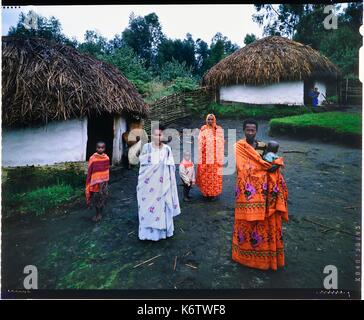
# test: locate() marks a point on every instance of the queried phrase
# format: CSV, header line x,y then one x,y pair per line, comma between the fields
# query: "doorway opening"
x,y
307,86
100,127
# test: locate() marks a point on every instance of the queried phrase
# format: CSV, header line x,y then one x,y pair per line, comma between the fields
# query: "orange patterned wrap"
x,y
210,159
261,205
98,172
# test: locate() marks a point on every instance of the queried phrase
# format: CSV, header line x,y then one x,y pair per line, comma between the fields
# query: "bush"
x,y
173,70
131,66
183,85
142,86
157,90
333,99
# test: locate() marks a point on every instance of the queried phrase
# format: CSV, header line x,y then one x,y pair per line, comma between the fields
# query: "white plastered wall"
x,y
58,141
290,93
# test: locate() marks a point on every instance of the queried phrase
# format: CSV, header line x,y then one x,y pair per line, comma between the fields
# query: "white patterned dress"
x,y
157,193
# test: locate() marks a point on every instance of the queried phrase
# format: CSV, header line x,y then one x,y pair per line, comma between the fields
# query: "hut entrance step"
x,y
100,127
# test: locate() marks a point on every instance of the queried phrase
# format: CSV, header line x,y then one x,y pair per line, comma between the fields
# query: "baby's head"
x,y
273,146
187,155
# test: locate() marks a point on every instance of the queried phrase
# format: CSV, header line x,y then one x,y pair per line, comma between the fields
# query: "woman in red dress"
x,y
211,158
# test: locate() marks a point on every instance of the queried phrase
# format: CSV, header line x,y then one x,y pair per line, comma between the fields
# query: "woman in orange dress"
x,y
260,206
210,158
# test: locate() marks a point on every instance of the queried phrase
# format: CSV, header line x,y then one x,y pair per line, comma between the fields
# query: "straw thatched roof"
x,y
44,81
270,60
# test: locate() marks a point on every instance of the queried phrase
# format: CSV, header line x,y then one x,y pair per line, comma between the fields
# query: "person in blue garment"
x,y
314,94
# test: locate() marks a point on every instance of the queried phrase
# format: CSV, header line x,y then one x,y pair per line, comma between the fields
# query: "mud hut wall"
x,y
120,126
179,105
290,93
58,141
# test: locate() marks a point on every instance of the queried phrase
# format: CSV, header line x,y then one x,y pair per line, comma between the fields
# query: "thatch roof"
x,y
270,60
44,81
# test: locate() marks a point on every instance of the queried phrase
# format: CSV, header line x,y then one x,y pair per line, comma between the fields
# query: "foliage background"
x,y
158,65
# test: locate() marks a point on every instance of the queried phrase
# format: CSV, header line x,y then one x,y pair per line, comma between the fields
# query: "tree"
x,y
249,38
130,65
280,19
116,43
182,51
95,44
34,25
202,53
220,48
143,35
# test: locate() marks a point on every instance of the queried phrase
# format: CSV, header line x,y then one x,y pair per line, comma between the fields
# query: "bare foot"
x,y
96,218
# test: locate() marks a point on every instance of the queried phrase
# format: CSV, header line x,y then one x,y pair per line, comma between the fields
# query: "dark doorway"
x,y
100,127
307,86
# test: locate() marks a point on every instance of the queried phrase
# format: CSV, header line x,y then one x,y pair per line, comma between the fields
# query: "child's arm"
x,y
193,175
88,181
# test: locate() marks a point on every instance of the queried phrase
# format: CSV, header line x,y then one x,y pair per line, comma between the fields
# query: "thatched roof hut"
x,y
271,60
44,81
59,103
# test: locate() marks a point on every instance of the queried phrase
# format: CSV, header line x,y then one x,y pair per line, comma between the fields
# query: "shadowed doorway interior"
x,y
100,127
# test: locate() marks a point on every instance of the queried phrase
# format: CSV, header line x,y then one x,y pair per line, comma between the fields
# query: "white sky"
x,y
202,21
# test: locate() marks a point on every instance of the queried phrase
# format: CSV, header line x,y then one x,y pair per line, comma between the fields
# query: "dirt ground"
x,y
71,252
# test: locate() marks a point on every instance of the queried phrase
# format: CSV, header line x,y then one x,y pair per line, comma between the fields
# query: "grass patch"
x,y
40,200
243,111
38,190
340,122
342,126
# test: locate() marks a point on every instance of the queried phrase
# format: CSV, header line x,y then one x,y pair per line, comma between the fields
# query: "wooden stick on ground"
x,y
131,233
191,266
329,227
175,264
146,261
125,199
187,253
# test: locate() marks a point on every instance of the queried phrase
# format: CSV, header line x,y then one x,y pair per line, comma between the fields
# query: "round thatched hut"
x,y
273,70
57,102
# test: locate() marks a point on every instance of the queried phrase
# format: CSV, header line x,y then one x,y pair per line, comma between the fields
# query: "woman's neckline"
x,y
157,147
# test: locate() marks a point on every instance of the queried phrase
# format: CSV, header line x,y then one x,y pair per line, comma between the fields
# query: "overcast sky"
x,y
202,21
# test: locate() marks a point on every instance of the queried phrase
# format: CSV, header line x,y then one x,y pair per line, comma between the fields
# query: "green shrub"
x,y
131,66
333,99
173,70
142,86
183,85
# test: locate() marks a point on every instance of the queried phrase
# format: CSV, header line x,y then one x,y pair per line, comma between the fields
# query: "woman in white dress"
x,y
157,193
